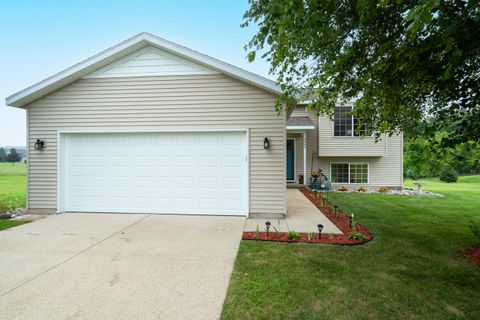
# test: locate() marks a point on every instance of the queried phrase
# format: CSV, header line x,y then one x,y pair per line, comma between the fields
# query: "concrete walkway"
x,y
117,266
302,216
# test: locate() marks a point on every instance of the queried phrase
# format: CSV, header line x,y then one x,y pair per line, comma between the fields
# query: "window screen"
x,y
349,172
340,172
342,124
345,125
358,173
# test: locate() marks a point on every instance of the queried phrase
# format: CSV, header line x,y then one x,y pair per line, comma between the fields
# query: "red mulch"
x,y
473,254
340,220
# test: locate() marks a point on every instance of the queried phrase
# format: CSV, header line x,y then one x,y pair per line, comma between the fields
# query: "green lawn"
x,y
5,224
12,185
413,268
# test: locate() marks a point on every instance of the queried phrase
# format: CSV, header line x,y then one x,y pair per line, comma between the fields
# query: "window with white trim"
x,y
346,125
349,172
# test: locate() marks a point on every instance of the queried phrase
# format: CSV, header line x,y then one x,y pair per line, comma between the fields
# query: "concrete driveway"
x,y
117,266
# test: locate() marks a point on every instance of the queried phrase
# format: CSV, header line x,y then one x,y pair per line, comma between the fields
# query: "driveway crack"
x,y
75,255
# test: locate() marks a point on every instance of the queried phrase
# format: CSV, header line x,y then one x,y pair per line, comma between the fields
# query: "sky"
x,y
41,38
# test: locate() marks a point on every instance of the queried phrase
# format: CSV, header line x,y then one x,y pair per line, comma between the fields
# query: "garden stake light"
x,y
335,210
350,221
320,228
267,225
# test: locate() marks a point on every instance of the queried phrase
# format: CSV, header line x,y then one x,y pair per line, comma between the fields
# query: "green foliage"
x,y
424,158
400,60
8,202
475,227
257,232
293,235
310,236
3,155
448,174
355,235
13,156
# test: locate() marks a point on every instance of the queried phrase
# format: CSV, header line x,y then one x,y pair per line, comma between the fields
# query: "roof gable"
x,y
150,61
124,49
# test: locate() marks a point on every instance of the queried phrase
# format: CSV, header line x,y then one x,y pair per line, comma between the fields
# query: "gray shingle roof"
x,y
299,121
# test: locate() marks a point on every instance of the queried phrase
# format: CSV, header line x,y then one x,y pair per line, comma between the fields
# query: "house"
x,y
337,148
149,126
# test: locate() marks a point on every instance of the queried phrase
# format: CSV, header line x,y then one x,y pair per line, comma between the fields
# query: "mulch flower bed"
x,y
473,254
340,219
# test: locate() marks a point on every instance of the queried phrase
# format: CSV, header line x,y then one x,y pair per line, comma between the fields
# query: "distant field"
x,y
12,185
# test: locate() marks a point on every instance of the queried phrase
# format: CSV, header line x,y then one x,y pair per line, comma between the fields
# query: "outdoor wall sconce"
x,y
40,144
266,143
320,228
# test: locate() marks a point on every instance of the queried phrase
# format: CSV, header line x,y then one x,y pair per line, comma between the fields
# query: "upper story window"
x,y
346,125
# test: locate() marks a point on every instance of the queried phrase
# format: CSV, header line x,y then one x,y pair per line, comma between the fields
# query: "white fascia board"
x,y
25,96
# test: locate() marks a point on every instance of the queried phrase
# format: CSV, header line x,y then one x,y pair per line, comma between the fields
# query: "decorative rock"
x,y
400,192
5,216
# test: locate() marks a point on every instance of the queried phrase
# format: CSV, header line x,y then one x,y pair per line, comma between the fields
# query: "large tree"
x,y
400,60
13,156
3,155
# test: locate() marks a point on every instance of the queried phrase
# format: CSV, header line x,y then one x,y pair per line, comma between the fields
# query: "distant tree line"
x,y
422,158
12,156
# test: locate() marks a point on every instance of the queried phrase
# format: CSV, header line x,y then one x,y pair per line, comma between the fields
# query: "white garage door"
x,y
173,173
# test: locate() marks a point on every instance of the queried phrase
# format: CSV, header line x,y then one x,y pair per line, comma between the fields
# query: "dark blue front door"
x,y
290,160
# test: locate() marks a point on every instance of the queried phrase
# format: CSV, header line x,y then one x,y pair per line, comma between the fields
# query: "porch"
x,y
300,142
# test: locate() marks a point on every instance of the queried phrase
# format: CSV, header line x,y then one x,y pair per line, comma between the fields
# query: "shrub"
x,y
362,189
383,189
342,188
8,202
475,227
355,235
293,235
310,236
448,174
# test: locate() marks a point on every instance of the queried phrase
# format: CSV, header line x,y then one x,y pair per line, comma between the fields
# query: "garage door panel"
x,y
184,173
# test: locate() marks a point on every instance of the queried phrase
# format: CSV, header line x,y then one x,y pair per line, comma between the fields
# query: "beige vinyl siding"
x,y
329,145
161,103
386,170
